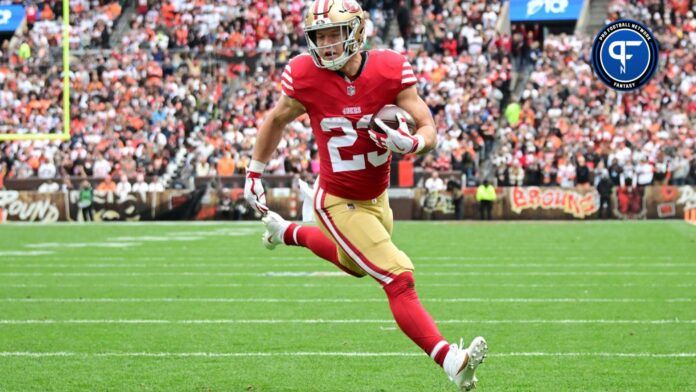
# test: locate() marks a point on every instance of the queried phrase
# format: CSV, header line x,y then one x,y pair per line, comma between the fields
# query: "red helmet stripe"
x,y
321,7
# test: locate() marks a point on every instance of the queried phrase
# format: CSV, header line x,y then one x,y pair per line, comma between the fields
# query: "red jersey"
x,y
340,110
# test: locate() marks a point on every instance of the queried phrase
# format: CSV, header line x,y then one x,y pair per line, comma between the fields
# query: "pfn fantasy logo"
x,y
625,55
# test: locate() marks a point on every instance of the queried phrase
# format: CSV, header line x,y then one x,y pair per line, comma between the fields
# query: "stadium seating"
x,y
567,121
187,84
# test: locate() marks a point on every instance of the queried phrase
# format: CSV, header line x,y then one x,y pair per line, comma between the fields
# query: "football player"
x,y
340,87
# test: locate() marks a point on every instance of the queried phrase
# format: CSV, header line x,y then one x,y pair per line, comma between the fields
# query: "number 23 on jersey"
x,y
347,140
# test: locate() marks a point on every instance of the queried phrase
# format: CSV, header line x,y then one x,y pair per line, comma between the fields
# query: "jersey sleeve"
x,y
396,70
408,78
295,80
286,82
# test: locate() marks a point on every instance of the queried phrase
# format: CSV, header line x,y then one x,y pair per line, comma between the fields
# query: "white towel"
x,y
307,197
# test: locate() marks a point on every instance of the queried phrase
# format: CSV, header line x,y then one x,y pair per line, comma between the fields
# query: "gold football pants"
x,y
362,231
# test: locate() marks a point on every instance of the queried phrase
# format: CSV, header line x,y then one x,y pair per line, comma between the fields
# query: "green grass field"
x,y
564,306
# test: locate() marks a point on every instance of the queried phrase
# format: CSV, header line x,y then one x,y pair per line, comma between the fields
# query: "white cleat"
x,y
275,229
460,364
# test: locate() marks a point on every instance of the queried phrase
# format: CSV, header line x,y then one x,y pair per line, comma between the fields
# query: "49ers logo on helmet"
x,y
351,6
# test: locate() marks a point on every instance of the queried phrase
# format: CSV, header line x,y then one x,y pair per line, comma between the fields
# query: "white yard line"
x,y
537,258
319,262
357,285
34,225
25,253
341,274
330,321
183,273
343,300
330,354
560,273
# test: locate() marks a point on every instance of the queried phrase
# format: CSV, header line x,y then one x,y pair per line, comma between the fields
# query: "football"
x,y
388,115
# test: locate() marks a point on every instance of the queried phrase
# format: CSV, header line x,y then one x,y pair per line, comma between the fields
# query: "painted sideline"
x,y
330,354
335,321
341,274
341,300
360,285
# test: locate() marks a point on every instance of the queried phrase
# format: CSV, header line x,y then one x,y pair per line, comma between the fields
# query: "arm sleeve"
x,y
286,82
408,78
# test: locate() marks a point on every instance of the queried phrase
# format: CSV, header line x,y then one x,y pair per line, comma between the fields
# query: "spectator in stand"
x,y
3,172
66,185
369,31
123,188
102,167
403,18
566,173
691,179
140,186
502,176
141,7
449,45
434,183
680,171
629,174
225,165
516,175
644,172
21,168
155,185
47,169
662,170
49,186
107,185
202,167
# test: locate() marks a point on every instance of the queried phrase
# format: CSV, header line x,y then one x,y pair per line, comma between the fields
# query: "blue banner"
x,y
11,16
544,10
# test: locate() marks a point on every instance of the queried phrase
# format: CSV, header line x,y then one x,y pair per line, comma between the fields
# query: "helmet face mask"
x,y
328,19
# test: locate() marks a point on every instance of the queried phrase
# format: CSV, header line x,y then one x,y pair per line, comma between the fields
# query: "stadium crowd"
x,y
91,24
569,129
161,90
195,76
231,27
464,71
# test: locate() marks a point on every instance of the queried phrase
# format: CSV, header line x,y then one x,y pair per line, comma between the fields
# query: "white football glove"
x,y
397,140
254,193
